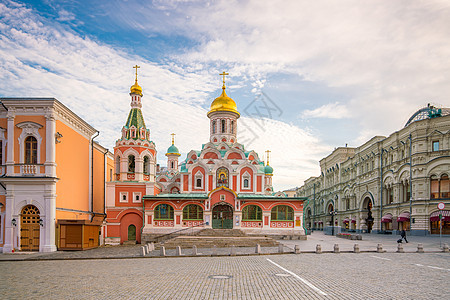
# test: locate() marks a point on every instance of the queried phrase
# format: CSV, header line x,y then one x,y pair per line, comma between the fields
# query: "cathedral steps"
x,y
218,241
221,232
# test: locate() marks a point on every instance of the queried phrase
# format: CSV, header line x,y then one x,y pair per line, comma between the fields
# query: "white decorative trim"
x,y
137,194
246,176
29,129
121,197
199,175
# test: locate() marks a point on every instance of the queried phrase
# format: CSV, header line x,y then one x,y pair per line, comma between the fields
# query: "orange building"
x,y
52,170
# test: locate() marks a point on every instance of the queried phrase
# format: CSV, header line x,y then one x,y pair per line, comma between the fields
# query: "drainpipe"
x,y
303,224
92,175
104,186
410,183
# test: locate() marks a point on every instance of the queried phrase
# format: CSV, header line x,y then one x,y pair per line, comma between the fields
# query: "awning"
x,y
387,218
346,221
445,216
353,221
320,222
403,217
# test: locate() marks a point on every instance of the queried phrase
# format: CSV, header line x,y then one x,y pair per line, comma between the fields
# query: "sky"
x,y
307,76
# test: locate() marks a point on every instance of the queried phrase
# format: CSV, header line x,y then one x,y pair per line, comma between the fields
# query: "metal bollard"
x,y
400,248
233,250
356,248
143,251
336,248
162,251
151,246
280,248
318,249
258,249
420,248
445,248
214,250
179,251
380,248
297,249
194,250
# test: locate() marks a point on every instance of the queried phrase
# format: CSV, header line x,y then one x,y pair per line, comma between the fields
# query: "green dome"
x,y
268,170
173,150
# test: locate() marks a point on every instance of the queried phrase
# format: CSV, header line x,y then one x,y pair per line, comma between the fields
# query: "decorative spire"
x,y
136,67
268,152
173,138
135,88
224,74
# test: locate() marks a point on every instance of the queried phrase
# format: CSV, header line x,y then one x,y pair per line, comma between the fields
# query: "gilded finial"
x,y
173,138
268,152
136,67
224,74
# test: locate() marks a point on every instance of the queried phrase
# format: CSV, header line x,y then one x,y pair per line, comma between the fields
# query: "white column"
x,y
10,145
9,228
50,145
49,244
123,168
139,169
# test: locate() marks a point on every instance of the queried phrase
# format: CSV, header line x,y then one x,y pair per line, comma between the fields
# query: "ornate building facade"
x,y
388,183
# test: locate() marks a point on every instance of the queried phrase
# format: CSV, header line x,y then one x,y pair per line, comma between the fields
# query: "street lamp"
x,y
332,214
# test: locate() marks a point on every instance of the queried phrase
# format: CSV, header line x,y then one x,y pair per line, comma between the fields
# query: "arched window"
x,y
31,150
232,127
131,232
193,212
164,212
171,165
245,183
213,126
198,183
131,164
444,187
252,213
223,126
146,165
434,187
282,213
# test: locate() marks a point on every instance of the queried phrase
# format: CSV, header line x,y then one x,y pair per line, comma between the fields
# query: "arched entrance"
x,y
29,228
367,207
131,233
222,217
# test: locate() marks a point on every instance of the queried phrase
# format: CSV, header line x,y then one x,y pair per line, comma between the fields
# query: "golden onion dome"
x,y
223,103
136,89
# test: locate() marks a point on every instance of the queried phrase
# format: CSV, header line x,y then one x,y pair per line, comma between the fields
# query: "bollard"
x,y
258,249
147,248
297,249
400,248
178,250
280,248
380,248
162,251
318,249
143,251
232,250
151,246
445,248
336,248
356,248
194,250
420,248
214,250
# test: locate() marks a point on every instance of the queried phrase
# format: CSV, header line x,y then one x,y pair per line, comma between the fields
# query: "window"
x,y
193,212
198,183
146,165
435,145
213,127
440,187
136,197
252,213
223,126
434,187
171,164
282,213
245,183
31,150
131,164
406,192
123,197
232,127
1,152
199,180
445,187
164,212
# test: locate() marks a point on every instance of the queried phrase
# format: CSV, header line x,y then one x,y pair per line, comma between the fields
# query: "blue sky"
x,y
335,72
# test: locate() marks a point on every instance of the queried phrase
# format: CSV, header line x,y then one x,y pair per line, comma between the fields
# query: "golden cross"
x,y
224,74
268,152
136,67
173,137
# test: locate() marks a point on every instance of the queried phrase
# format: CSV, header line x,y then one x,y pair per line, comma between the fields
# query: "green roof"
x,y
135,118
268,169
177,196
173,149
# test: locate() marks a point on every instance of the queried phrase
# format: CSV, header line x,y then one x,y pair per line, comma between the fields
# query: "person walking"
x,y
403,235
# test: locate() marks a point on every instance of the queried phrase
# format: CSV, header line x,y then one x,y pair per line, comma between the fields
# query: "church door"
x,y
222,217
29,228
131,232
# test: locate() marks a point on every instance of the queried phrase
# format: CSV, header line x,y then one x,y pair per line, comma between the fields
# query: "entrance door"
x,y
222,217
29,229
131,233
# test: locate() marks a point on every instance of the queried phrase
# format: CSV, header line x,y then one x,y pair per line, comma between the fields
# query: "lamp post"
x,y
410,183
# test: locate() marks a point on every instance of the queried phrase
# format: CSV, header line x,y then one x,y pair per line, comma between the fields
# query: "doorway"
x,y
29,228
222,217
132,233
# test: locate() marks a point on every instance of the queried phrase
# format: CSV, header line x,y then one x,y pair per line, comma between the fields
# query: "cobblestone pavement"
x,y
289,276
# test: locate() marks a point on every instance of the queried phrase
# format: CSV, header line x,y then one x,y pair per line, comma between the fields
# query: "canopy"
x,y
387,218
403,217
445,216
346,221
354,221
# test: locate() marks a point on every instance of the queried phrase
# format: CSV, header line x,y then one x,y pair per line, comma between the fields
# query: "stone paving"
x,y
289,276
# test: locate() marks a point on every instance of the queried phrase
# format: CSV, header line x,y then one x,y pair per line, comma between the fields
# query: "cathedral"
x,y
221,186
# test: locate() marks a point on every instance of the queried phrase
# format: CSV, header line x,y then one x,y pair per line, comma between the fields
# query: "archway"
x,y
29,228
222,217
131,233
367,207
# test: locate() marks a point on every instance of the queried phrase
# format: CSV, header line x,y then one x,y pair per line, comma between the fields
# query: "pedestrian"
x,y
403,235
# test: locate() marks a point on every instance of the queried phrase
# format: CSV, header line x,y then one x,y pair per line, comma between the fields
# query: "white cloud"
x,y
331,111
64,15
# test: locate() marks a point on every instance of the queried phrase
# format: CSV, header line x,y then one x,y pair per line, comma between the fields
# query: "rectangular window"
x,y
136,197
123,197
435,145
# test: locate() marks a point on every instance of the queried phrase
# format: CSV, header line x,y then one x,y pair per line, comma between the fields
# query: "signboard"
x,y
441,205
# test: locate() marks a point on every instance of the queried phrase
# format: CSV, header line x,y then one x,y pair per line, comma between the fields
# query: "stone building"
x,y
388,183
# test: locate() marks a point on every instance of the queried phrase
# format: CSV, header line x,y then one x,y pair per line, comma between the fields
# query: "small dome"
x,y
268,170
136,89
223,103
173,150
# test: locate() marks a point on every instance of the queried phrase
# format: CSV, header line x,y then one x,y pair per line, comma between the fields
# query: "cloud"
x,y
64,15
331,111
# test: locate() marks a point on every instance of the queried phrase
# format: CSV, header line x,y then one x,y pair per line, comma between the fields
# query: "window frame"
x,y
276,210
247,216
157,213
122,194
187,213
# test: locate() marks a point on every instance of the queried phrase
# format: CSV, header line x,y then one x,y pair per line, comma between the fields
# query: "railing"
x,y
184,231
29,169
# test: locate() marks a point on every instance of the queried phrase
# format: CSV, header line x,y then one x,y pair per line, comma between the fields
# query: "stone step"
x,y
220,232
220,242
